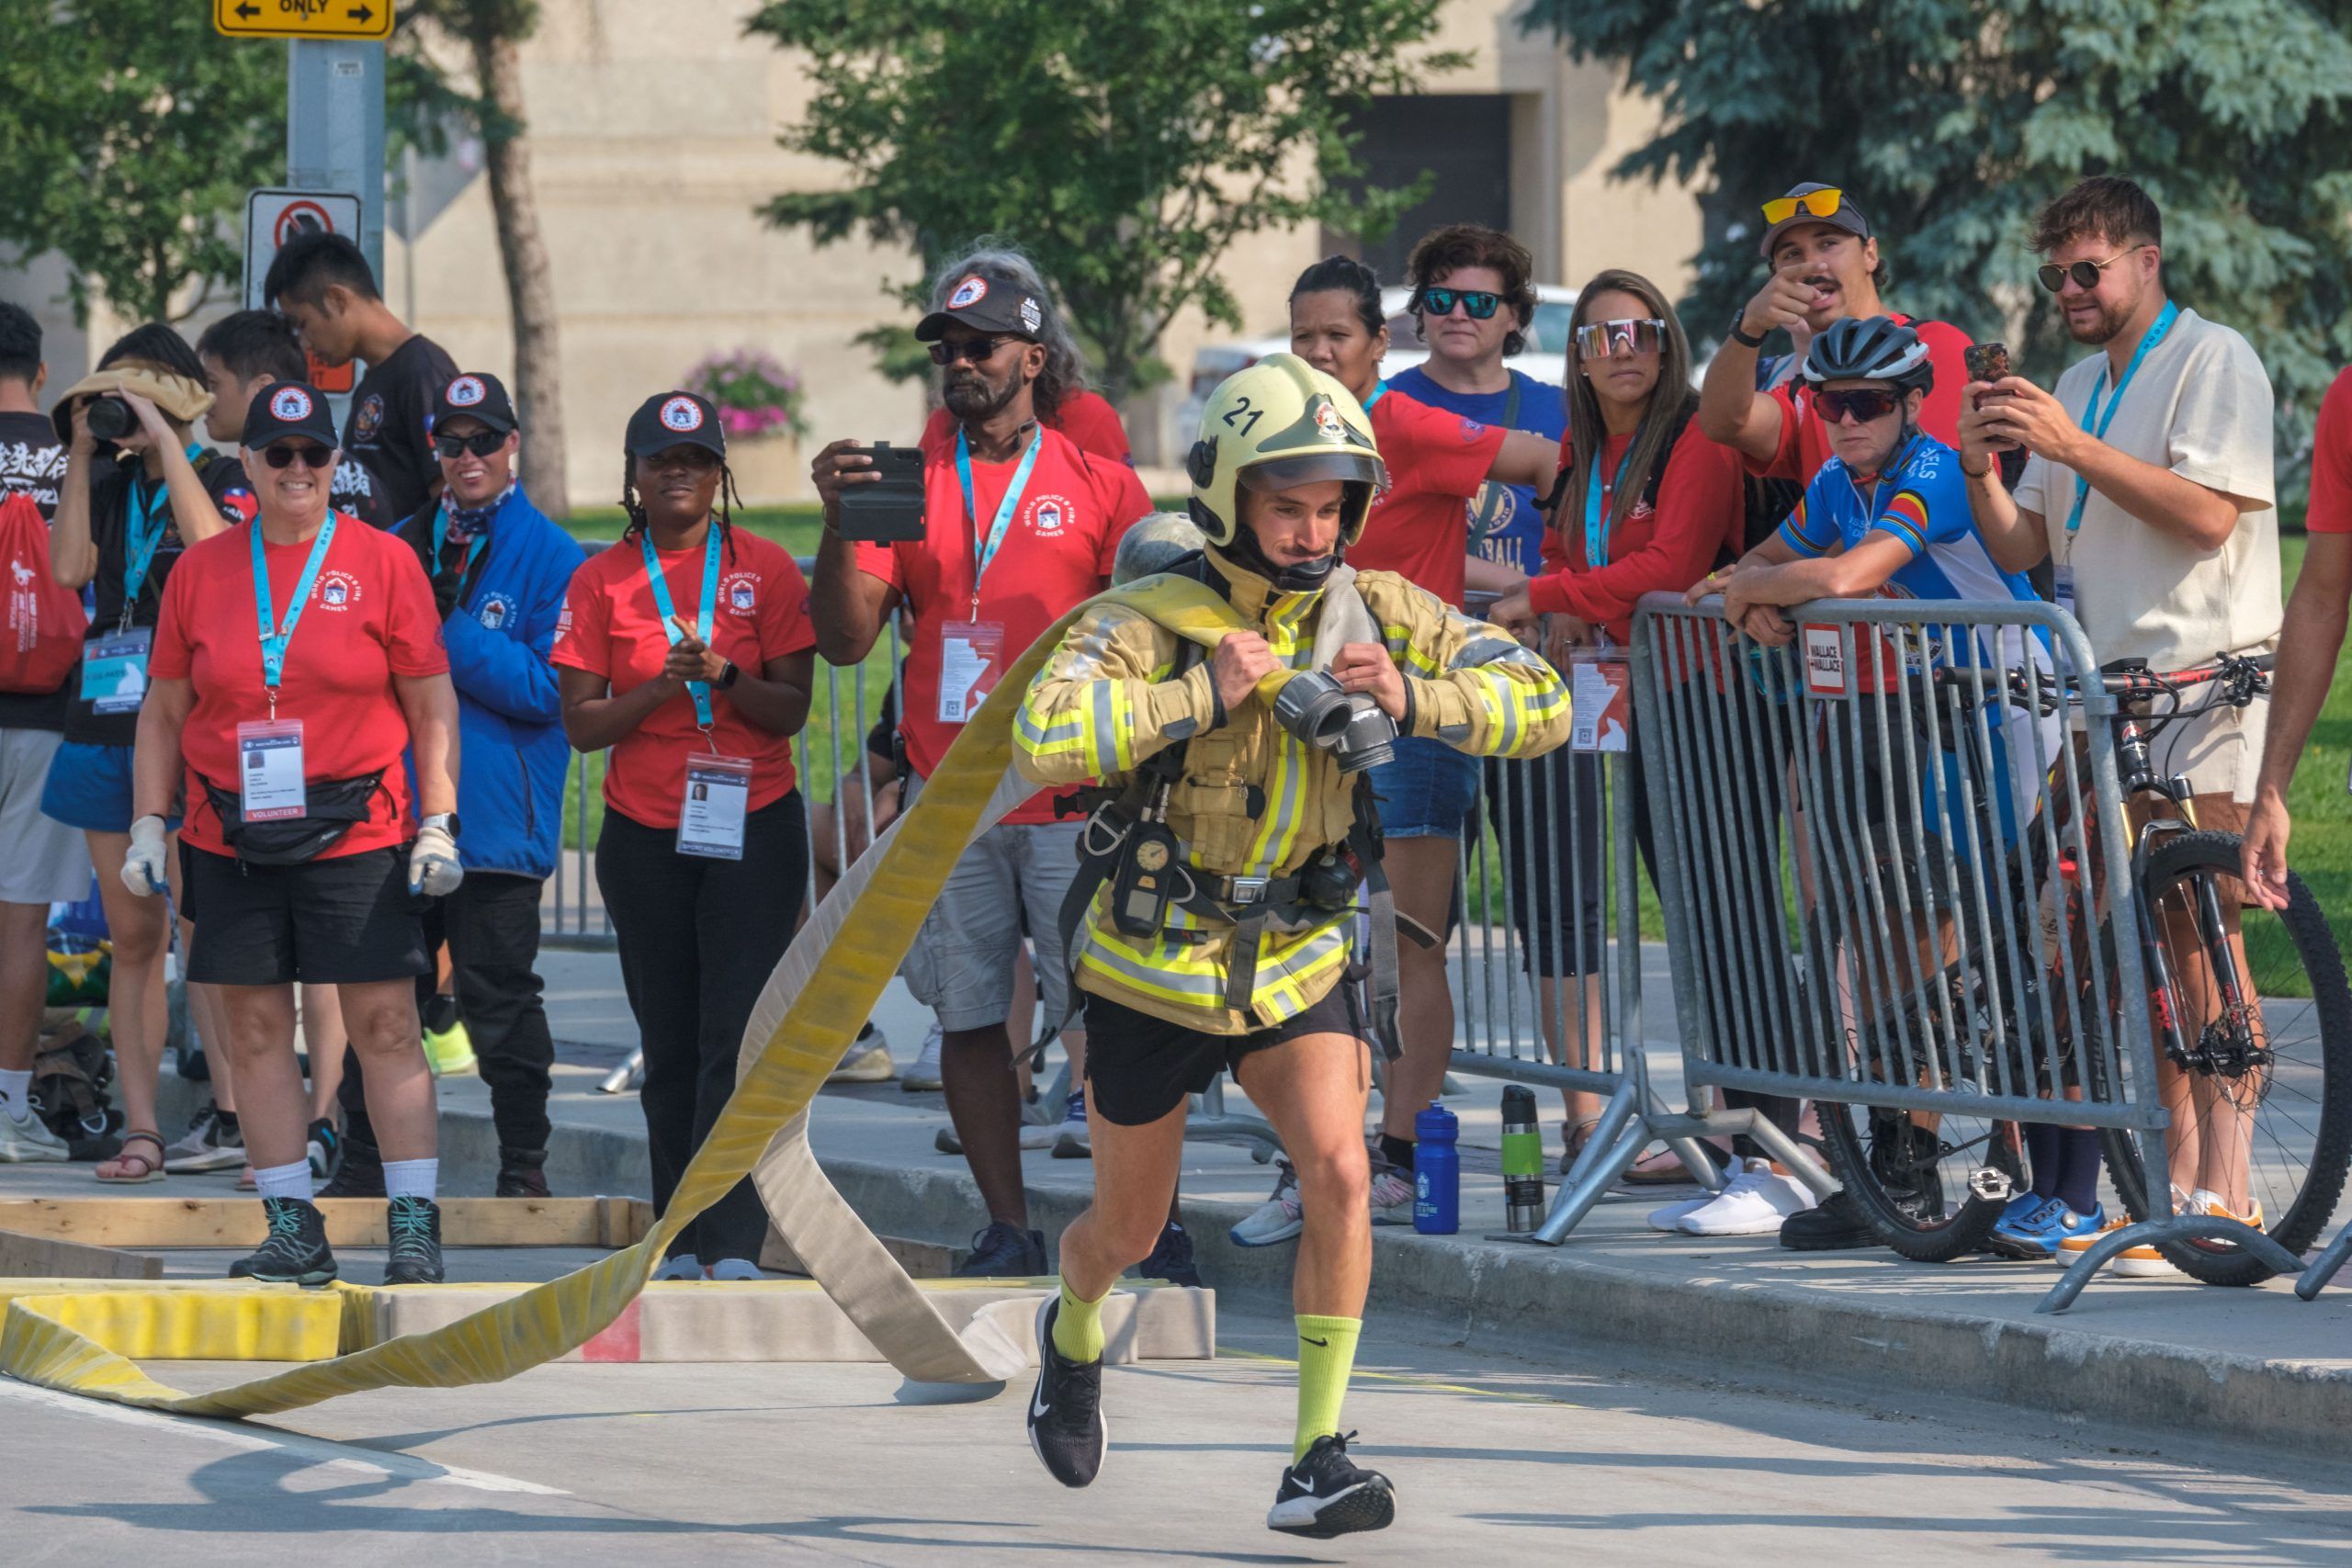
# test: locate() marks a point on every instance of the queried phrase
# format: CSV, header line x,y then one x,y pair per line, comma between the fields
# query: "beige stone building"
x,y
653,126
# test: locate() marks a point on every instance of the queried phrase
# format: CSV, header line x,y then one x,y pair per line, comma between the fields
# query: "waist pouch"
x,y
332,806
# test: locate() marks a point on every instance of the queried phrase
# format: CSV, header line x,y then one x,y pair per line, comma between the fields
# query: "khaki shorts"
x,y
1010,882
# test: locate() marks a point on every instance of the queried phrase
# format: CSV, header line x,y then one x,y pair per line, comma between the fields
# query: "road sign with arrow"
x,y
304,18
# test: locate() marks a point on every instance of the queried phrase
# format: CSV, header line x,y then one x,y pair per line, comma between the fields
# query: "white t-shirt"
x,y
2200,406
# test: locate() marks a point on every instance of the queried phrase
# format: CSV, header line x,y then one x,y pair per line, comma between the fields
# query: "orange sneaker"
x,y
2141,1262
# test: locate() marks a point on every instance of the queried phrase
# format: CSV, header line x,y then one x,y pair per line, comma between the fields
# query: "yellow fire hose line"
x,y
802,1026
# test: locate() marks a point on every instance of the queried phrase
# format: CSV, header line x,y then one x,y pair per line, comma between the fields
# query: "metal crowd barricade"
x,y
1848,917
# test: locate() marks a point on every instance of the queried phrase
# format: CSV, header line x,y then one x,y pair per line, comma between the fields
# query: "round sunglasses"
x,y
2085,274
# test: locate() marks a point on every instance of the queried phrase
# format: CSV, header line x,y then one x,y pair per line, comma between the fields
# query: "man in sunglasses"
x,y
499,569
1019,526
322,284
1827,267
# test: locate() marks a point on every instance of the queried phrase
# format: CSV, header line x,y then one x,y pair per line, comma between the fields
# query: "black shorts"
x,y
1138,1067
348,920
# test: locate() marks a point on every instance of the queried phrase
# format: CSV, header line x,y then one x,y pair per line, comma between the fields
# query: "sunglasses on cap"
x,y
1481,305
2085,274
482,444
1598,340
1865,403
978,350
285,453
1811,204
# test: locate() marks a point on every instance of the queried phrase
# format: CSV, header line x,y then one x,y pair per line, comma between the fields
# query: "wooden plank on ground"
x,y
351,1222
44,1257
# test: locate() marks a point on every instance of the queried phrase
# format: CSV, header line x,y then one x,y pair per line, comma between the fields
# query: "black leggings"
x,y
699,938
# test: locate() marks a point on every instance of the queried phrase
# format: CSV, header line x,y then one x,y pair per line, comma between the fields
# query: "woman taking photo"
x,y
1648,506
138,493
295,661
1419,528
686,650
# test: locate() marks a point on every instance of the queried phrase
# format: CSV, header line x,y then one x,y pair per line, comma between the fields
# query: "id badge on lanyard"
x,y
269,770
716,803
1601,700
970,653
114,671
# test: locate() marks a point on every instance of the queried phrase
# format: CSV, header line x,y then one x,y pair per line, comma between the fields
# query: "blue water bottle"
x,y
1437,1171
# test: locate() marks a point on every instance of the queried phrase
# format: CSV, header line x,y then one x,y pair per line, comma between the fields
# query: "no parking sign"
x,y
273,219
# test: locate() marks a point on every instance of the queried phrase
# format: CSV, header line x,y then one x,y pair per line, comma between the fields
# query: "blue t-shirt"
x,y
1505,527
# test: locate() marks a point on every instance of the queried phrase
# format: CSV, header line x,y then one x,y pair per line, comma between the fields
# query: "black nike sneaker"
x,y
1005,1251
295,1252
1066,1423
414,1257
1172,1258
1325,1494
359,1173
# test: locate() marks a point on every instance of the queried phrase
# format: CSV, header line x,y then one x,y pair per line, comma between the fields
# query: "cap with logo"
x,y
986,305
1829,205
287,409
674,419
476,395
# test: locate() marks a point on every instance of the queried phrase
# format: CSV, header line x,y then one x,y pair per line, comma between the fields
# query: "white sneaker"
x,y
25,1139
1753,1203
1392,1195
1039,1125
1071,1141
924,1074
1670,1216
1278,1219
867,1061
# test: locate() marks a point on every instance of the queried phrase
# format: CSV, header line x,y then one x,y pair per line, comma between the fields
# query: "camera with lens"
x,y
110,418
1349,726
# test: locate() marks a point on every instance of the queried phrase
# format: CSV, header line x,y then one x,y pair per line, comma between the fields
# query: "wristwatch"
x,y
444,820
726,676
1738,318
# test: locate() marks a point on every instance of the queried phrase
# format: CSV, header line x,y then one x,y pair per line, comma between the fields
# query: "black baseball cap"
x,y
984,305
477,394
1842,214
284,409
674,419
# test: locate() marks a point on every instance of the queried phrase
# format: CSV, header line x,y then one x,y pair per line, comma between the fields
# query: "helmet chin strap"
x,y
1303,578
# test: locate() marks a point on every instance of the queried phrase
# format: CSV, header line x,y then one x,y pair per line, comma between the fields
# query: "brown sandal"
x,y
149,1169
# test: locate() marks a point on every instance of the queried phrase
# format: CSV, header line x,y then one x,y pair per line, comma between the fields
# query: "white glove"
x,y
433,868
143,868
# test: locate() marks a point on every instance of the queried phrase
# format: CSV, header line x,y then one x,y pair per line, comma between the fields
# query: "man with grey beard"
x,y
1019,526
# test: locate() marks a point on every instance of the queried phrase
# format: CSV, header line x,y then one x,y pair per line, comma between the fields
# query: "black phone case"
x,y
890,509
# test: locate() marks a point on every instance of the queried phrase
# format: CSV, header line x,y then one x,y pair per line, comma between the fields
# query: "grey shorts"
x,y
1010,882
42,861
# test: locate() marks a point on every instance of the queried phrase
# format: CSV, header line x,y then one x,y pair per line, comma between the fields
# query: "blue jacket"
x,y
512,755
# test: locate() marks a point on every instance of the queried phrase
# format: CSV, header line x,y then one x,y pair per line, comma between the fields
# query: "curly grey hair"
x,y
1001,263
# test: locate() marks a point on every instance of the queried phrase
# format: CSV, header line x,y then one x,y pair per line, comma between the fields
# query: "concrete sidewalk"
x,y
2165,1356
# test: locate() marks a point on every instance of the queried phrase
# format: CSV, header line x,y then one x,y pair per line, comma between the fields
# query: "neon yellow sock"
x,y
1326,1354
1078,1327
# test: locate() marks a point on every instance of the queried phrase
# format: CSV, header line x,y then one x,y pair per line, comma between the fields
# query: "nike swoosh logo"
x,y
1038,1408
1305,1486
1318,1344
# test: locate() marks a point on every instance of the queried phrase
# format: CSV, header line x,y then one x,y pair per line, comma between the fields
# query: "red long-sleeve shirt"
x,y
1700,512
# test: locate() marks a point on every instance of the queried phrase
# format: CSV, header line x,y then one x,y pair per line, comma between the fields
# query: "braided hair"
x,y
728,498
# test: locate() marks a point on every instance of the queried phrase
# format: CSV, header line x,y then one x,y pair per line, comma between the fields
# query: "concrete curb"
x,y
1516,1299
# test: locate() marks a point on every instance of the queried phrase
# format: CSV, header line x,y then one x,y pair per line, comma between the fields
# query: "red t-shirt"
x,y
1089,422
2331,507
611,626
1700,512
1057,554
369,617
1804,441
1420,526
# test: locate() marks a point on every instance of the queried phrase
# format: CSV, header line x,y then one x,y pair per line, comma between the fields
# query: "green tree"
x,y
1125,144
1952,120
129,132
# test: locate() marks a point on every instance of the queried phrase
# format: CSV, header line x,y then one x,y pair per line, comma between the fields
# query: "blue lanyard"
x,y
272,642
2093,422
983,552
698,689
1596,526
141,543
441,534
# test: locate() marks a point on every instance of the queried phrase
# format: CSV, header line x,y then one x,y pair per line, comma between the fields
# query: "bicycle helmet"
x,y
1876,349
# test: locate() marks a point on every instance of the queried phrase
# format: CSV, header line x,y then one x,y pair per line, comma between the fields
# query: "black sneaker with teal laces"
x,y
414,1256
1327,1494
295,1252
1066,1425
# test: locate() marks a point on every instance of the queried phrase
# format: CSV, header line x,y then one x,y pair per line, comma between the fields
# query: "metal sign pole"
x,y
334,128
